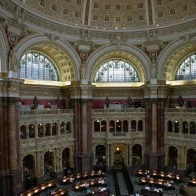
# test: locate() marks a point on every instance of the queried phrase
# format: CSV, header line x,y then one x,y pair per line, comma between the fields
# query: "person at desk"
x,y
107,102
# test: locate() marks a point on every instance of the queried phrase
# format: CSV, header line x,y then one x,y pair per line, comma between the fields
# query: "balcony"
x,y
124,135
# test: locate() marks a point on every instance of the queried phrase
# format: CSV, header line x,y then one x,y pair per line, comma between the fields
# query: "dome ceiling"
x,y
114,14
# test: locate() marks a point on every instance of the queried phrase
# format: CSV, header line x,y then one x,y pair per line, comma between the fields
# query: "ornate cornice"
x,y
38,22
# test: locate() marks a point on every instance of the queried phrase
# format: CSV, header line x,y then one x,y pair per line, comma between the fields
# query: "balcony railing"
x,y
118,110
45,140
180,110
37,112
129,134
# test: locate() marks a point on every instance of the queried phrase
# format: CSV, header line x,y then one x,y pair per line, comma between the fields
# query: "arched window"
x,y
54,128
192,128
97,126
68,127
116,70
185,127
36,66
62,128
118,126
40,130
125,126
187,68
133,125
47,129
169,126
176,126
23,134
103,126
112,126
140,125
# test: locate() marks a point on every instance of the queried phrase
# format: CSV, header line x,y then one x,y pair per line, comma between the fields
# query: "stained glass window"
x,y
116,71
187,69
36,66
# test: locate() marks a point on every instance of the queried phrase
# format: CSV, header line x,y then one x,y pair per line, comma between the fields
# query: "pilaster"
x,y
155,98
10,169
81,100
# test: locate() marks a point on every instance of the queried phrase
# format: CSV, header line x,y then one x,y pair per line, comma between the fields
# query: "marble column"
x,y
10,169
154,127
166,155
38,164
84,127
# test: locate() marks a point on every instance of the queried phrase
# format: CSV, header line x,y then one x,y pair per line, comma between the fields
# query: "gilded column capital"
x,y
156,91
8,101
10,87
86,91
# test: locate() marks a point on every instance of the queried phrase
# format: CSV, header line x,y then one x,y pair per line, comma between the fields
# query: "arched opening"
x,y
68,127
136,154
54,128
112,126
31,131
169,126
140,125
62,128
119,156
185,127
125,126
118,126
29,171
192,128
191,162
49,163
66,161
97,126
47,129
40,130
100,155
23,134
176,127
133,125
172,156
103,126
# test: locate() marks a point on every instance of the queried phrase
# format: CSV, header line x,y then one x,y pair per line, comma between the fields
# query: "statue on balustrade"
x,y
107,102
129,101
35,103
181,102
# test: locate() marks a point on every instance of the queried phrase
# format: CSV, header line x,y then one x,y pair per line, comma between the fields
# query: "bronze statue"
x,y
107,102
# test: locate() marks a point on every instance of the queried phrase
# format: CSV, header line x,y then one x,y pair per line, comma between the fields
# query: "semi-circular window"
x,y
116,71
187,69
36,66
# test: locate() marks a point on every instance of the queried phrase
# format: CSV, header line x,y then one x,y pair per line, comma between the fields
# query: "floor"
x,y
111,186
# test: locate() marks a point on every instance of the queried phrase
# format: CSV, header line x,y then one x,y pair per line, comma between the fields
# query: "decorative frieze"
x,y
72,33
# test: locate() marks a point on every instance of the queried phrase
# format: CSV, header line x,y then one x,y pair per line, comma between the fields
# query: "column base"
x,y
11,182
154,161
84,163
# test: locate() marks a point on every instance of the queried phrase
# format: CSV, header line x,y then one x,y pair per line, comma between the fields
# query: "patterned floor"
x,y
111,186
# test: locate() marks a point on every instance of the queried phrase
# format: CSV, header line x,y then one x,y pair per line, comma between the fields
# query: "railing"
x,y
180,135
46,139
119,134
180,110
37,112
130,134
118,110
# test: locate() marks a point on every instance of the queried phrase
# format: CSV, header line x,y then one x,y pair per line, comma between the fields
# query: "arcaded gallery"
x,y
97,97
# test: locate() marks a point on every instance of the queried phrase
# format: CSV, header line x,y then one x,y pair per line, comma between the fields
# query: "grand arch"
x,y
63,55
171,56
132,54
4,47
